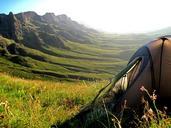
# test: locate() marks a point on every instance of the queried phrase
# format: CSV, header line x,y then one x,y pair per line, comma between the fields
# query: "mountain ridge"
x,y
58,48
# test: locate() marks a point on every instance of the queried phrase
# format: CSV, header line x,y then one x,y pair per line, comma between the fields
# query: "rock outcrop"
x,y
37,31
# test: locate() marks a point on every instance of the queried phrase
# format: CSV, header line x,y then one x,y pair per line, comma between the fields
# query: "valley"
x,y
57,48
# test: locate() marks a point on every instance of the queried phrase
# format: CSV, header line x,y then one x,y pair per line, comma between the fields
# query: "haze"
x,y
116,16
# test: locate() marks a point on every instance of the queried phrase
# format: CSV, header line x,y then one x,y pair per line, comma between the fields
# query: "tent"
x,y
150,67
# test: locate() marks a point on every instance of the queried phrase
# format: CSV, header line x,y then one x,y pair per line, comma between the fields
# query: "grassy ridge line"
x,y
99,60
77,66
35,103
46,72
34,63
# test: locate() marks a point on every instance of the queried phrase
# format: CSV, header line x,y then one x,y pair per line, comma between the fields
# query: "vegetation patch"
x,y
34,103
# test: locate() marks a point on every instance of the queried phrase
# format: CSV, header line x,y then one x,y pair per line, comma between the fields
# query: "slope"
x,y
57,48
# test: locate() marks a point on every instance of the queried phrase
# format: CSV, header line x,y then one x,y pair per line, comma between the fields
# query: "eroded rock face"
x,y
28,16
49,18
37,31
5,25
26,28
9,26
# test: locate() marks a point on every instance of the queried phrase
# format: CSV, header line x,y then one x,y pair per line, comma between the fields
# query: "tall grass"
x,y
39,104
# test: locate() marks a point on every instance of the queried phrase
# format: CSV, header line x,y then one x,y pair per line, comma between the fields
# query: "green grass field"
x,y
102,59
38,104
50,69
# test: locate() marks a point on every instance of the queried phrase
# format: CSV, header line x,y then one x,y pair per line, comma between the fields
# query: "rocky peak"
x,y
11,14
35,31
63,17
28,16
11,17
8,25
49,14
49,17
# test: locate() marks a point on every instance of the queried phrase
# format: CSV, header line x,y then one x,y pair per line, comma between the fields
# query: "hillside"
x,y
58,48
51,66
39,104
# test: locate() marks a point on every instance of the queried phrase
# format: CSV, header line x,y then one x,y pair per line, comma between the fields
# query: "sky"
x,y
114,16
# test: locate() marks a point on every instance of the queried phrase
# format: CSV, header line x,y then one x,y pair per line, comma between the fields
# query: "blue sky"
x,y
17,6
116,16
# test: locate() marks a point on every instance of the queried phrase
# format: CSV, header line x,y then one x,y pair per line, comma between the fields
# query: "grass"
x,y
102,115
35,103
102,59
81,60
153,117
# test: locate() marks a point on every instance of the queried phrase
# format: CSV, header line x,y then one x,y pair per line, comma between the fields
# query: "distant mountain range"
x,y
161,32
58,48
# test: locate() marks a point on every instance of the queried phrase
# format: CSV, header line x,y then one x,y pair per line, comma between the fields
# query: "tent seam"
x,y
161,56
153,81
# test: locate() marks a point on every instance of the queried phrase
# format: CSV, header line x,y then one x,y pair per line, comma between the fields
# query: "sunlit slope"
x,y
57,48
65,64
80,61
34,103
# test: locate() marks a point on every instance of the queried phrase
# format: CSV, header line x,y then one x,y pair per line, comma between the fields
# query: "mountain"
x,y
34,30
160,32
54,47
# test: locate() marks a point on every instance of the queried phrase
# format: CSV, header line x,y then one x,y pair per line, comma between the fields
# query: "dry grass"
x,y
153,117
